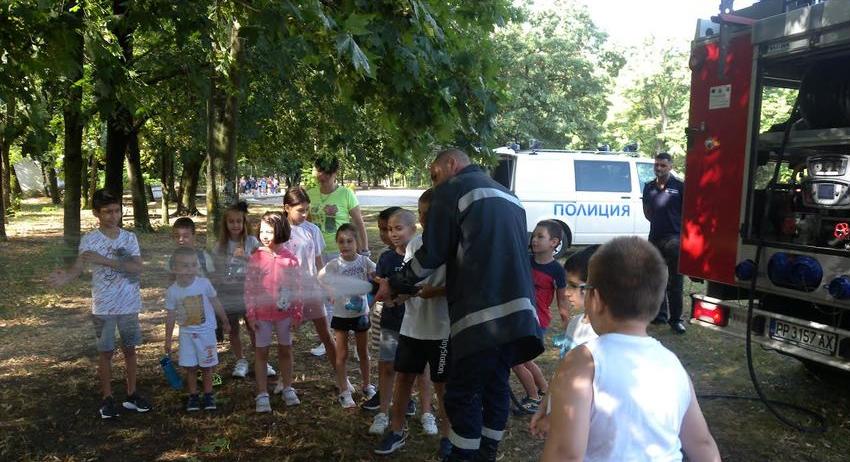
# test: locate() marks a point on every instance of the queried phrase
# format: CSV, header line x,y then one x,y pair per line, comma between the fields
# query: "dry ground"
x,y
49,399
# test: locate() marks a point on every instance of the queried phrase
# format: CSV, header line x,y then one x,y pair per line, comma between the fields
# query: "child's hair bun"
x,y
242,206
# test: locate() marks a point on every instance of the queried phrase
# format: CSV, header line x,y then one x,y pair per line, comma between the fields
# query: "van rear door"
x,y
604,205
505,171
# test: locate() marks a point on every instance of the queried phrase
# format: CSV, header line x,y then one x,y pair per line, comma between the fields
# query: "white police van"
x,y
596,196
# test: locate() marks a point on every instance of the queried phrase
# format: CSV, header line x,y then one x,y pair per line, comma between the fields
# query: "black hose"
x,y
772,405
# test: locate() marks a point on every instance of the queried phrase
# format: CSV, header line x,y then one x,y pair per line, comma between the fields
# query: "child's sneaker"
x,y
369,391
136,403
289,397
241,368
345,399
391,443
429,424
373,403
263,403
318,350
531,405
209,402
193,404
108,409
270,370
379,424
411,408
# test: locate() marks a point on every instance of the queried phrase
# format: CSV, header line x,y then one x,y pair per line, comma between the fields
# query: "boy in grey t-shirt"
x,y
115,260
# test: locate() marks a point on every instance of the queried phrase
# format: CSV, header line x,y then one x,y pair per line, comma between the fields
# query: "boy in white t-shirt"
x,y
192,303
114,256
624,396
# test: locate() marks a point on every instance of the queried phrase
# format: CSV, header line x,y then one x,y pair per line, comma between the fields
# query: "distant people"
x,y
192,303
116,262
332,206
662,206
477,229
623,395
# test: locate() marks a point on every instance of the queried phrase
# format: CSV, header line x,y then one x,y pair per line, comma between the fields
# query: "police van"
x,y
595,196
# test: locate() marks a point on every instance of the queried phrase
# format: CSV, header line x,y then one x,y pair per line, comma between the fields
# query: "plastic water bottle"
x,y
170,372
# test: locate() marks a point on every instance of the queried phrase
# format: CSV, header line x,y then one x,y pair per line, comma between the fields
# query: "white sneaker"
x,y
319,350
270,370
356,356
241,368
350,386
429,424
345,400
290,398
379,424
263,403
368,391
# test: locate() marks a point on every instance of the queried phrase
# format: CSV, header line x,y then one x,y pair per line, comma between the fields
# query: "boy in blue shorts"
x,y
115,260
623,395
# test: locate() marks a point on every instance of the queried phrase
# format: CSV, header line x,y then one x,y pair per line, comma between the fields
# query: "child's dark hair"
x,y
388,212
630,276
101,198
182,252
295,195
327,164
185,223
224,235
577,263
425,198
346,228
279,224
553,228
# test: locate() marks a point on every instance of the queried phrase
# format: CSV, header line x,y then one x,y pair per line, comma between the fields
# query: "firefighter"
x,y
477,229
662,206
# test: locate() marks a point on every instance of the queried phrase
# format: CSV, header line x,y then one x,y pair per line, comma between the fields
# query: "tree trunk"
x,y
116,149
45,181
53,185
137,184
189,186
93,177
84,181
5,175
73,147
4,148
222,112
168,177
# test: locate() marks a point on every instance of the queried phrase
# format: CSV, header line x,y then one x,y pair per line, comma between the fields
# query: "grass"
x,y
49,398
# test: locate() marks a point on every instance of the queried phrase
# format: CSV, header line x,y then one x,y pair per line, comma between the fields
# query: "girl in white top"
x,y
623,396
307,243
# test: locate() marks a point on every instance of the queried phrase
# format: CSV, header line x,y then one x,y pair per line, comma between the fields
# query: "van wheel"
x,y
561,251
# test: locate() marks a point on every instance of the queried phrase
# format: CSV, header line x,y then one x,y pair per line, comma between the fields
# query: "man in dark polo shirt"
x,y
662,206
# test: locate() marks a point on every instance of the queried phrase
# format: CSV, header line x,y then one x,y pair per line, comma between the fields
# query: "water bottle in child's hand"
x,y
170,372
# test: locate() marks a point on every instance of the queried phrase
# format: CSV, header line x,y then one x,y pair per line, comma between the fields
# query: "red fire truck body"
x,y
786,236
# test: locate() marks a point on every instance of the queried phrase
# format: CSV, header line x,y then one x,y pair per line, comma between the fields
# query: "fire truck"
x,y
766,214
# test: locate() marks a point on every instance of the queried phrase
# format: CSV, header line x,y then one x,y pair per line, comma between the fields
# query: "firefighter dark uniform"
x,y
478,230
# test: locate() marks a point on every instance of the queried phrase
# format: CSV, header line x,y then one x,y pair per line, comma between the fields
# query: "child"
x,y
423,342
116,262
183,233
549,280
351,311
191,301
235,245
377,308
402,228
272,303
578,330
307,244
624,396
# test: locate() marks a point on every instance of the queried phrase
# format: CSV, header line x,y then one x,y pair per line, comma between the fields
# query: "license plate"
x,y
805,337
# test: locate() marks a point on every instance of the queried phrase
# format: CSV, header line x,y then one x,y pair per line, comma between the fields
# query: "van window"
x,y
504,172
646,173
603,176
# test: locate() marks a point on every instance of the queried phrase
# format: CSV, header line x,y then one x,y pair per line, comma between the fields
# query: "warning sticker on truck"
x,y
720,97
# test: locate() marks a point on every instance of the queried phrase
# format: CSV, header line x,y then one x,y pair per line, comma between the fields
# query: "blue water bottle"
x,y
170,372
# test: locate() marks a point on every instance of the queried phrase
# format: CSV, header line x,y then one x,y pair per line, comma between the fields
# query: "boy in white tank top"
x,y
623,396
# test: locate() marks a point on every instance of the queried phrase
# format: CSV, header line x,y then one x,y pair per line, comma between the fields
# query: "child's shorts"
x,y
127,325
389,344
413,354
358,324
197,349
263,334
